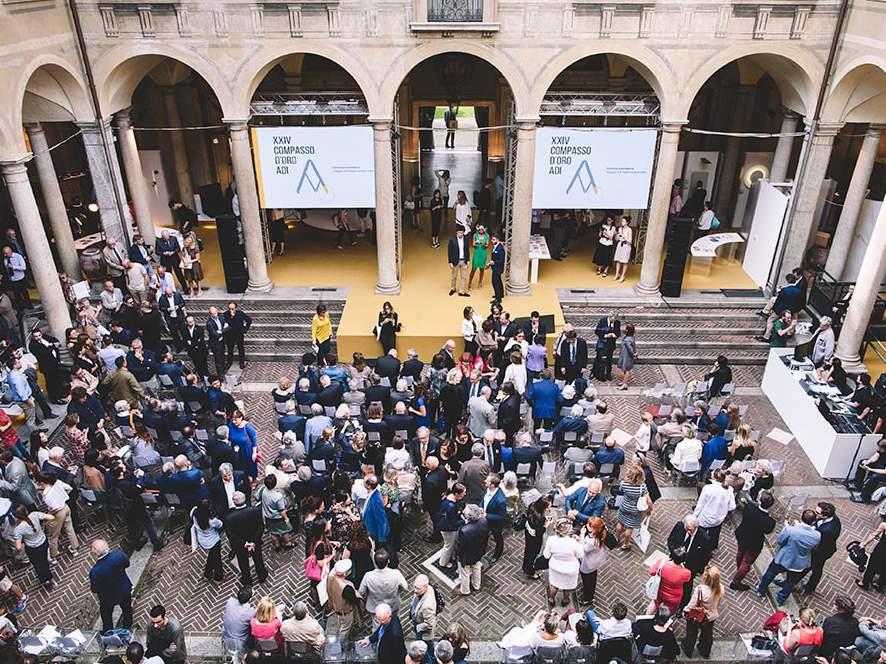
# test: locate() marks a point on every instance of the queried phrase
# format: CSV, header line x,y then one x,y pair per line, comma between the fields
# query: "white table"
x,y
538,251
830,452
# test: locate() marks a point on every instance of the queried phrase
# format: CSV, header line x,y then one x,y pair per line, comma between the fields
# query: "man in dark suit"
x,y
412,367
458,254
223,486
829,525
470,545
379,393
509,418
141,362
421,447
167,249
401,420
388,366
687,535
237,324
608,330
390,648
219,449
498,268
573,357
751,535
475,386
330,393
193,396
215,340
45,349
535,330
195,344
505,329
245,527
495,506
108,580
433,488
448,353
292,421
172,306
525,452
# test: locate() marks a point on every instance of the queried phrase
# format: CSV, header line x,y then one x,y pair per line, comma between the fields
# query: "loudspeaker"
x,y
232,253
679,237
212,200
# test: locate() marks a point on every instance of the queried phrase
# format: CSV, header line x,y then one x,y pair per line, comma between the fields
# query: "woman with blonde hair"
x,y
733,412
633,490
594,557
701,612
189,258
284,390
804,632
390,495
742,446
564,552
266,623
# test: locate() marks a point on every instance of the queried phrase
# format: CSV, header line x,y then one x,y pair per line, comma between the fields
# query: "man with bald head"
x,y
390,648
108,580
303,628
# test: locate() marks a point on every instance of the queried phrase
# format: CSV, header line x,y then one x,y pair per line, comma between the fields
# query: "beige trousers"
x,y
469,577
461,272
62,521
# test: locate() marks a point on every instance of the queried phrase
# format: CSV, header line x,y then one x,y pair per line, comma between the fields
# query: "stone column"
x,y
179,148
521,208
116,220
782,157
135,178
855,195
55,203
250,216
15,174
657,223
803,223
743,108
385,234
858,315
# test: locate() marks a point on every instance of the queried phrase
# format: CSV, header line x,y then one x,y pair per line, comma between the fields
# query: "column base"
x,y
852,364
517,289
643,289
392,288
265,286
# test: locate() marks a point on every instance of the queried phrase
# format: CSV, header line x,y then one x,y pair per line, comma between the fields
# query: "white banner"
x,y
314,167
593,168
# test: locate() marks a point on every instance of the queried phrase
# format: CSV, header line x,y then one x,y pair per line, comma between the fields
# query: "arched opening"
x,y
309,120
595,160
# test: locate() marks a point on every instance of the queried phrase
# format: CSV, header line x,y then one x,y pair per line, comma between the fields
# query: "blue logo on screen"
x,y
312,176
584,177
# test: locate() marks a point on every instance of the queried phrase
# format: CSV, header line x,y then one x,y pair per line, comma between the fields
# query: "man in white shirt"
x,y
688,449
55,496
481,413
16,269
160,281
111,299
618,626
715,502
705,218
109,353
824,341
136,280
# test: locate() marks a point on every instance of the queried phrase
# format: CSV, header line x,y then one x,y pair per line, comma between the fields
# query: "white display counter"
x,y
830,452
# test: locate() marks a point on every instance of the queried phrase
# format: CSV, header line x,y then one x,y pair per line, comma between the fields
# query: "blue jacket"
x,y
615,456
577,424
292,422
375,519
790,298
715,448
108,578
545,398
188,485
498,258
497,510
449,519
795,546
586,509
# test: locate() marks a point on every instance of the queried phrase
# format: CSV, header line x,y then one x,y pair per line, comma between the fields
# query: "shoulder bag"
x,y
697,613
654,582
313,568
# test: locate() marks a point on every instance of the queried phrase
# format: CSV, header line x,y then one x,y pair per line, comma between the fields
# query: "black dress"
x,y
436,217
532,543
277,230
387,333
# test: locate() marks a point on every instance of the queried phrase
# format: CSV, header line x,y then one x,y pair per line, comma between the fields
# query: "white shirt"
x,y
229,491
108,356
489,494
56,496
463,215
688,449
613,629
643,436
468,329
704,221
714,504
516,373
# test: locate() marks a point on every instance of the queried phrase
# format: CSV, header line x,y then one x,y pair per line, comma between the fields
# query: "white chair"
x,y
545,436
89,496
523,470
524,407
729,435
665,410
165,380
373,436
727,390
329,410
385,382
319,466
196,406
202,435
742,411
548,467
570,436
565,411
597,438
304,409
410,380
717,464
355,410
403,433
280,407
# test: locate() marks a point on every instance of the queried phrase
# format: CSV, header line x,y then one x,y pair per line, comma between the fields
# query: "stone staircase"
x,y
281,329
678,333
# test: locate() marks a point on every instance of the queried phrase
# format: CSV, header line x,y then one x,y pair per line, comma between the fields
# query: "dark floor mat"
x,y
742,292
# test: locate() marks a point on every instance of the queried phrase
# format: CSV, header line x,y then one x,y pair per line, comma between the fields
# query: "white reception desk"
x,y
830,452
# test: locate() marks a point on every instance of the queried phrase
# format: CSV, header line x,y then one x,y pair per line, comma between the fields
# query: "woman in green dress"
x,y
479,260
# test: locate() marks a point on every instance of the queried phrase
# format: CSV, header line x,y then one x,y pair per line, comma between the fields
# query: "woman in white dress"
x,y
624,239
565,553
462,212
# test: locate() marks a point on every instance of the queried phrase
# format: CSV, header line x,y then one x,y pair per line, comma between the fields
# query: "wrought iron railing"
x,y
455,11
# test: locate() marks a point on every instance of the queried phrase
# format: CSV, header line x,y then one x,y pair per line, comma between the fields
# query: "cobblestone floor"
x,y
173,576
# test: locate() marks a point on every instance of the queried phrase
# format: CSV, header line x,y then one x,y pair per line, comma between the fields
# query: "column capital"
x,y
236,124
789,114
380,120
827,129
15,167
94,126
33,127
123,119
523,120
673,126
875,130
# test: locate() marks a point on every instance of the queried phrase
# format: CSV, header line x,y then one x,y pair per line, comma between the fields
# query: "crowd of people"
x,y
369,448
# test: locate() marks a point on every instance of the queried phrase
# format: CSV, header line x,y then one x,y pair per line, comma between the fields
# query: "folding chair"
x,y
280,407
355,410
403,433
410,380
126,431
524,407
267,646
175,435
755,435
171,499
524,471
319,466
665,410
729,435
197,407
373,436
385,382
304,409
703,436
727,390
742,411
565,411
548,468
202,435
165,381
570,436
688,470
329,410
545,437
717,464
153,433
651,653
597,438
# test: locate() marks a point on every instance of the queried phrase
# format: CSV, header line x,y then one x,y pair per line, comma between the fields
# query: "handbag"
x,y
697,613
313,569
541,563
715,224
654,582
409,204
519,521
643,503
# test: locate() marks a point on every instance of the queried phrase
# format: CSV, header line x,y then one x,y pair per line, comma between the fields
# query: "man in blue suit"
x,y
374,517
575,421
108,580
186,482
796,543
496,507
545,399
586,502
390,648
292,421
223,486
498,268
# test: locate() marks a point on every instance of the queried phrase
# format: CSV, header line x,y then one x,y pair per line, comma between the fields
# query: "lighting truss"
x,y
320,103
601,104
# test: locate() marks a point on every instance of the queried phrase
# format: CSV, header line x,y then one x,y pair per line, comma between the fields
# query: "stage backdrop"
x,y
314,167
593,168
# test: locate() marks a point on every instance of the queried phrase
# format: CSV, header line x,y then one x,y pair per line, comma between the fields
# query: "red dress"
x,y
670,591
9,437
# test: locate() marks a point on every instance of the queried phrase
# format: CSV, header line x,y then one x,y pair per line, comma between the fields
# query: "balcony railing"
x,y
455,11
